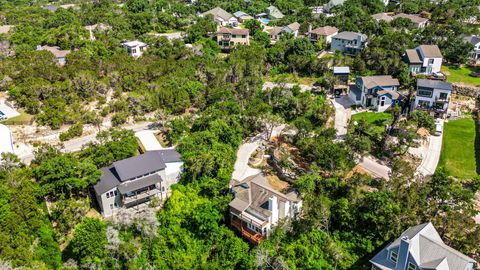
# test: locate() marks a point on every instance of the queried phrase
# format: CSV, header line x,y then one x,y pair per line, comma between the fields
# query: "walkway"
x,y
432,154
343,113
241,170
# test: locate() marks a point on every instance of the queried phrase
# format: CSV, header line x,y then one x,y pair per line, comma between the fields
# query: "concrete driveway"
x,y
432,154
375,168
343,113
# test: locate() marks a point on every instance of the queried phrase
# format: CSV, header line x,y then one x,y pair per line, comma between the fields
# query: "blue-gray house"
x,y
377,93
421,248
348,42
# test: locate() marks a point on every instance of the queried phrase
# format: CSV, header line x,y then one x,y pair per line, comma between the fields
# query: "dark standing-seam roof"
x,y
134,167
139,165
140,183
435,84
108,180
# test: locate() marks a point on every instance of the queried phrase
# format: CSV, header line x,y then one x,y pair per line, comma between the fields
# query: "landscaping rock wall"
x,y
465,90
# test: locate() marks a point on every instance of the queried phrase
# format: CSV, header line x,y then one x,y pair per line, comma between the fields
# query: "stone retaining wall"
x,y
466,90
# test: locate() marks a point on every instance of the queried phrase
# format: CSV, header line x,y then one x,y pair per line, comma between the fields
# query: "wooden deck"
x,y
254,237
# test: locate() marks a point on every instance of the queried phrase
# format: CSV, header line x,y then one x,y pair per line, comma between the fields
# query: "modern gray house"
x,y
421,248
349,42
433,96
137,180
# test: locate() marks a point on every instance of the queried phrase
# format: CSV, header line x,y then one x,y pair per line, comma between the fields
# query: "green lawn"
x,y
23,118
376,121
458,149
461,75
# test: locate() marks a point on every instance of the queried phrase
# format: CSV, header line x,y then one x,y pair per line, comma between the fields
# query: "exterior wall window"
x,y
423,103
244,36
134,51
424,92
393,256
115,193
430,61
108,195
411,266
111,206
443,96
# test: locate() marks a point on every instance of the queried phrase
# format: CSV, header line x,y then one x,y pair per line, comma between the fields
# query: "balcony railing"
x,y
140,196
254,237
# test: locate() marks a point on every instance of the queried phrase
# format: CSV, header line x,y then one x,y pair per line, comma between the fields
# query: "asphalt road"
x,y
76,144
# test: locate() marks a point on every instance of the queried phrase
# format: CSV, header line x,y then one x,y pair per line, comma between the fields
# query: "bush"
x,y
75,130
423,119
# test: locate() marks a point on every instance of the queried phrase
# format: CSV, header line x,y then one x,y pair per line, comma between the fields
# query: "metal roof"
x,y
137,166
434,84
341,70
130,186
108,180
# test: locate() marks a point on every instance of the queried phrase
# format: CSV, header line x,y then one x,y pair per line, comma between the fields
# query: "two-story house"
x,y
257,207
475,41
221,17
349,42
322,33
60,55
228,38
425,59
421,248
277,31
433,96
137,180
377,93
135,48
416,21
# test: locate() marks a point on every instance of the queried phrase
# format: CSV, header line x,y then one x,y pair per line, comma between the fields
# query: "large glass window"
x,y
423,92
411,266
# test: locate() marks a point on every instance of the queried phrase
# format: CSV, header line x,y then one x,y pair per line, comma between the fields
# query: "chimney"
x,y
403,251
273,207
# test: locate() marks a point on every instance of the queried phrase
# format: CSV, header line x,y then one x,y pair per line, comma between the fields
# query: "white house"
x,y
221,17
475,41
135,48
377,93
134,181
433,96
425,59
6,140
